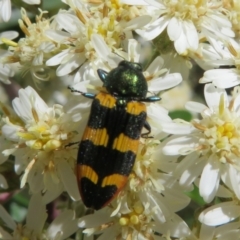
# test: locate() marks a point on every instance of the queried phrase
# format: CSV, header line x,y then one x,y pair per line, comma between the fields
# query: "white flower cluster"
x,y
179,161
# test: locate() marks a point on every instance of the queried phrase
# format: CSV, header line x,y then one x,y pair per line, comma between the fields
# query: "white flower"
x,y
220,213
223,212
233,14
61,228
5,10
38,135
115,228
32,51
6,70
183,20
210,145
70,59
225,54
90,34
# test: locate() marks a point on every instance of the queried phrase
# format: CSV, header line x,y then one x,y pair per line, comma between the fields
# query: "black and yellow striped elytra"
x,y
110,141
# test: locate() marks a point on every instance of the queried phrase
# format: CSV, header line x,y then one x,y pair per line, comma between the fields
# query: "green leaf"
x,y
182,114
194,195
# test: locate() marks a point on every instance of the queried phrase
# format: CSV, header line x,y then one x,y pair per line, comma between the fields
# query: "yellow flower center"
x,y
44,132
134,217
104,20
221,132
235,53
233,13
27,48
188,9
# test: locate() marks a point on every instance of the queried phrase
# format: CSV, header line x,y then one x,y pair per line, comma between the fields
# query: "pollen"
x,y
131,219
26,51
123,221
138,208
37,145
187,9
221,132
52,145
43,135
226,130
134,217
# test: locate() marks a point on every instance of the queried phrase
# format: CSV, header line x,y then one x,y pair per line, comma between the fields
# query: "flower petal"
x,y
222,78
174,29
94,220
191,34
235,179
37,208
68,179
100,46
6,10
137,22
195,106
191,173
4,215
159,84
175,225
209,181
57,59
219,214
64,223
174,145
213,95
177,128
69,65
149,33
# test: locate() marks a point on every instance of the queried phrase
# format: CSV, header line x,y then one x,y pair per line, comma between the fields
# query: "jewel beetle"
x,y
110,141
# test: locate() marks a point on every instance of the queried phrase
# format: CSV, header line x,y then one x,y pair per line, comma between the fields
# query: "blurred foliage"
x,y
195,196
183,114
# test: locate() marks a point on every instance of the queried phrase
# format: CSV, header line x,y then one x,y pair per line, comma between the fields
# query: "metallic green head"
x,y
126,80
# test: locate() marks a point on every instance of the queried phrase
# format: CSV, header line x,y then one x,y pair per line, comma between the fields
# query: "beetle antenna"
x,y
74,90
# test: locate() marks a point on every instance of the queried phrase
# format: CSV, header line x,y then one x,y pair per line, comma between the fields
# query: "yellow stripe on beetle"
x,y
117,180
87,172
99,137
106,100
135,108
123,144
